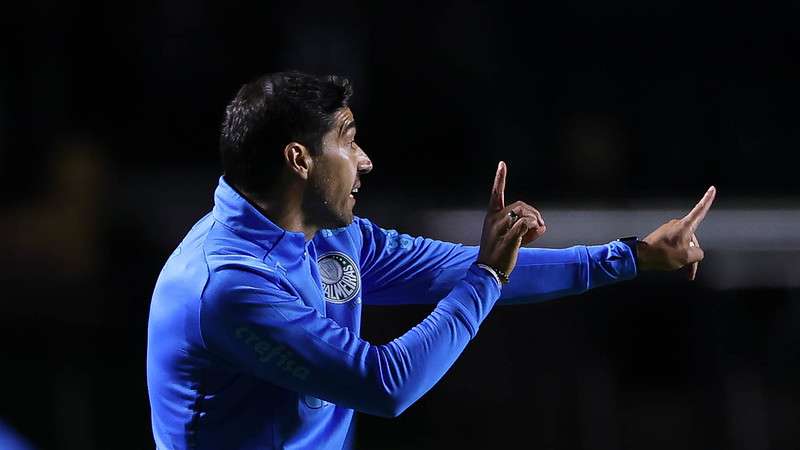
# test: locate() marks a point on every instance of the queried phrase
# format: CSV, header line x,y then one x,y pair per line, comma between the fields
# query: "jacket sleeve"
x,y
250,322
400,269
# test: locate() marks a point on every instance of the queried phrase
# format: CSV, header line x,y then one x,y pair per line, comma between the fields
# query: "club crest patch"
x,y
340,278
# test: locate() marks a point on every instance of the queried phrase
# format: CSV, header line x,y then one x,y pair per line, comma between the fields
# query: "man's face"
x,y
335,175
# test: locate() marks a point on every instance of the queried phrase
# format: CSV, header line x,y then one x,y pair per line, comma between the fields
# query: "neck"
x,y
285,210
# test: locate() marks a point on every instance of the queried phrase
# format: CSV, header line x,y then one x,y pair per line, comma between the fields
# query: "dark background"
x,y
109,118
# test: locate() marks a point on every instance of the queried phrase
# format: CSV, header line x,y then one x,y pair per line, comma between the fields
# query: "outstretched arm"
x,y
419,270
401,269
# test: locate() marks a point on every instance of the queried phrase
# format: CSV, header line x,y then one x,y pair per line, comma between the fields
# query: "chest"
x,y
329,280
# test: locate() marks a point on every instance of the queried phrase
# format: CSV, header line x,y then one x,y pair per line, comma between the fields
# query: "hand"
x,y
502,234
674,244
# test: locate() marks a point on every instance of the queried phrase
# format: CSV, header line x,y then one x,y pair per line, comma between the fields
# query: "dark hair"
x,y
270,112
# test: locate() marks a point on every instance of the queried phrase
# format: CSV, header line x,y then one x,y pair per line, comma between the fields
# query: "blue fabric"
x,y
400,269
253,337
11,440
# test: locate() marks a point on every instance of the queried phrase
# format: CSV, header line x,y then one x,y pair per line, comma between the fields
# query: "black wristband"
x,y
631,242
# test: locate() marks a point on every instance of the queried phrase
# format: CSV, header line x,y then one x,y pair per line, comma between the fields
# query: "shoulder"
x,y
237,266
222,241
229,271
239,288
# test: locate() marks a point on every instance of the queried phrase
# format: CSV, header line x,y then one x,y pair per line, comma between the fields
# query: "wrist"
x,y
643,255
499,276
637,249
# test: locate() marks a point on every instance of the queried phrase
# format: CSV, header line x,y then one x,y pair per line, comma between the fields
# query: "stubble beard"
x,y
322,209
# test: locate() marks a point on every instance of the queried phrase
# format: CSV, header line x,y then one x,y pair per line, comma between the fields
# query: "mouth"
x,y
354,191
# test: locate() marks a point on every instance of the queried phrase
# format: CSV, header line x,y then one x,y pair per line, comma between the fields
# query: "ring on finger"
x,y
513,216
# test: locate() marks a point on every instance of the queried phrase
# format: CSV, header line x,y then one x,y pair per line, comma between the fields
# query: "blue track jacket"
x,y
253,337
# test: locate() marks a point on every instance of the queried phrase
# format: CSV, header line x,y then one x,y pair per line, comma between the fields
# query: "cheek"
x,y
331,185
346,169
337,174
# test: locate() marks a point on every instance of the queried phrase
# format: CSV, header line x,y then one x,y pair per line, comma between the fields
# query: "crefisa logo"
x,y
340,278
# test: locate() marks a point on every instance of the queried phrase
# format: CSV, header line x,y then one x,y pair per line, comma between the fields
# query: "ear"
x,y
298,159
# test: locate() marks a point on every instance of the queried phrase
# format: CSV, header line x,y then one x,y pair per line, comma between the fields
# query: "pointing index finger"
x,y
497,200
698,213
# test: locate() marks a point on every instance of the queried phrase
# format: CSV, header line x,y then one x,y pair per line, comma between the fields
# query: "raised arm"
x,y
401,269
420,271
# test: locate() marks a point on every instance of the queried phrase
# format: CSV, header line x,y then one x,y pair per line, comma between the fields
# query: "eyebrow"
x,y
345,128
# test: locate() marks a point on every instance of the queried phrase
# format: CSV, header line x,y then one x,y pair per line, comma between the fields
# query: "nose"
x,y
364,164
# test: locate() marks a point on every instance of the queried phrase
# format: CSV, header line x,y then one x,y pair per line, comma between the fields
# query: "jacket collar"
x,y
237,213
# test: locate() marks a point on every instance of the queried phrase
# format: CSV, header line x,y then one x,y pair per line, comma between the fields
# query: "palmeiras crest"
x,y
340,278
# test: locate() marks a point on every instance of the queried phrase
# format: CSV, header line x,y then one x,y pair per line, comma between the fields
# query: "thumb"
x,y
521,228
695,254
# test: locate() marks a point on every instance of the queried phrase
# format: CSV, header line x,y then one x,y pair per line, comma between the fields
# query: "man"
x,y
253,338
